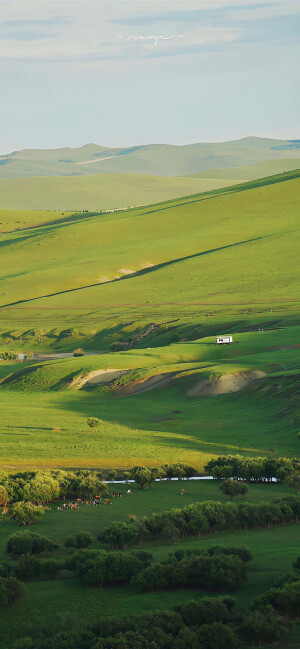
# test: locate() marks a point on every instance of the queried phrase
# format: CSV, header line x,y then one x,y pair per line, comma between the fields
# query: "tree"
x,y
151,578
4,497
78,352
207,611
79,540
118,346
14,589
42,488
233,488
262,626
93,423
26,513
27,543
90,485
186,639
140,526
142,476
112,475
3,593
126,475
217,636
118,535
293,481
28,567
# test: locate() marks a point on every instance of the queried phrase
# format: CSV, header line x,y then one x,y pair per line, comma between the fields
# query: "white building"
x,y
224,340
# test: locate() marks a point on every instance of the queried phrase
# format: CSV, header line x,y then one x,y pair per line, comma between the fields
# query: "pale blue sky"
x,y
80,71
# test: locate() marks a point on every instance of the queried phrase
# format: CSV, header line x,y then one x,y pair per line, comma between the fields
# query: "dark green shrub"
x,y
28,567
29,543
80,540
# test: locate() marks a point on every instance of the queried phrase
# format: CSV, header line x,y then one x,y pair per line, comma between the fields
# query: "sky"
x,y
128,72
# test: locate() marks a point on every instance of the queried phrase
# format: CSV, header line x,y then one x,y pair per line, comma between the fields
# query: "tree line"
x,y
41,487
211,623
29,491
201,518
259,469
216,569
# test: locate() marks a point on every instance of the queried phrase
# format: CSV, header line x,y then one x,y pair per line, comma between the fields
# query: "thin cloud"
x,y
187,16
28,22
25,36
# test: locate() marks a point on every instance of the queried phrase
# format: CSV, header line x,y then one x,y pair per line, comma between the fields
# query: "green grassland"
x,y
141,425
250,172
183,270
49,605
226,248
13,220
98,191
165,279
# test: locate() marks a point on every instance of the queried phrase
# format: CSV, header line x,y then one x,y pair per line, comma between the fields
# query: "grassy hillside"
x,y
252,172
168,277
97,192
195,397
153,159
11,220
227,248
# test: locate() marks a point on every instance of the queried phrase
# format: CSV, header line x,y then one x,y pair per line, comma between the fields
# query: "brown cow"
x,y
182,492
107,501
117,493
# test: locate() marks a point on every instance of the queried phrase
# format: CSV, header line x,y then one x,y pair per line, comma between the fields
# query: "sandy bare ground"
x,y
225,384
97,377
144,385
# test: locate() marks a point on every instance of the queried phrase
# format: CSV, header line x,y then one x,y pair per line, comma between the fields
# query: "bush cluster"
x,y
252,469
101,568
79,540
196,625
31,567
28,543
144,476
10,590
45,486
201,518
218,568
268,619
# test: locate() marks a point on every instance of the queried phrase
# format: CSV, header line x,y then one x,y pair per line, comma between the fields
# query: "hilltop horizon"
x,y
227,140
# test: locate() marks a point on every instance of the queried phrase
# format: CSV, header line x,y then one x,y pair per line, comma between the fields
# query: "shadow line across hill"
x,y
138,273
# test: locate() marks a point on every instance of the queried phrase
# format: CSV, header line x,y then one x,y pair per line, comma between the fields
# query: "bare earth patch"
x,y
144,385
225,384
97,377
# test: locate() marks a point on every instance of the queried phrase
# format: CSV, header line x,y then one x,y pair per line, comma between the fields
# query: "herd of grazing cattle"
x,y
96,501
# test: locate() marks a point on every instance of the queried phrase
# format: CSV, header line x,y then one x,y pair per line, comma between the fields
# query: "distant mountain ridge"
x,y
152,159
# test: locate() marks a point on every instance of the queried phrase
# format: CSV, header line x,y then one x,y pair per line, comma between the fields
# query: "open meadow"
x,y
144,293
56,604
75,284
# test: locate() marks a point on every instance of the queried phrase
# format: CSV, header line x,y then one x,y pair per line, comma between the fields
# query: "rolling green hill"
x,y
163,279
151,159
252,172
96,192
224,248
